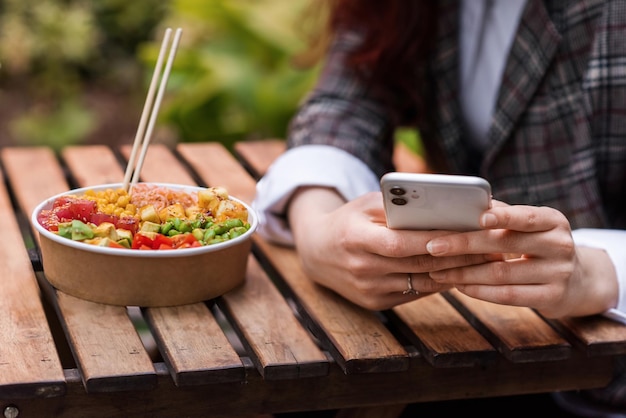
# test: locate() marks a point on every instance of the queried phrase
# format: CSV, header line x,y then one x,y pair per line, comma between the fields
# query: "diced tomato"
x,y
83,209
48,220
63,213
185,241
62,201
69,208
129,223
161,241
141,240
98,218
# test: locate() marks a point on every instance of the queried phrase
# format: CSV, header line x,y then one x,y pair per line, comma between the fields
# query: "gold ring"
x,y
410,290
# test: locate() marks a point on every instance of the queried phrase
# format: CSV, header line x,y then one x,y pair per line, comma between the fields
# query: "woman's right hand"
x,y
347,247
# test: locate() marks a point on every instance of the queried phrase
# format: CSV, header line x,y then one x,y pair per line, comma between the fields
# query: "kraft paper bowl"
x,y
142,278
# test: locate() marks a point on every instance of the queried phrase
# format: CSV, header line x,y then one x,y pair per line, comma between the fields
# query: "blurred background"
x,y
76,72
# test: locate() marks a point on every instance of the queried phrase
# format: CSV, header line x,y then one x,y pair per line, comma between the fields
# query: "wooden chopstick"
x,y
144,134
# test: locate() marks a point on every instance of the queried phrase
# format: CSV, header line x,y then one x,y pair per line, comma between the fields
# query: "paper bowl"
x,y
142,278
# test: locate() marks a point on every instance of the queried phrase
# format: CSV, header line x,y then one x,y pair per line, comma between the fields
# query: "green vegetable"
x,y
150,227
75,230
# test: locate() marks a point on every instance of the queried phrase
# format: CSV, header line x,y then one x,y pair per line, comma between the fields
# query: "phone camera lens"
x,y
397,191
400,201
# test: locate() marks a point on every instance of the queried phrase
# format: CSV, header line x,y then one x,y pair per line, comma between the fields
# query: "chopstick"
x,y
151,108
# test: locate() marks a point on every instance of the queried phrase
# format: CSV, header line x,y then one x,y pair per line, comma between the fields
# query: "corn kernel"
x,y
122,201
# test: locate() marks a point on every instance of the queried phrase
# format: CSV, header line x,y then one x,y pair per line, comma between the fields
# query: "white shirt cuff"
x,y
612,241
308,165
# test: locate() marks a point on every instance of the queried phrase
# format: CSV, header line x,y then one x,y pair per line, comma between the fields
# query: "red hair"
x,y
397,35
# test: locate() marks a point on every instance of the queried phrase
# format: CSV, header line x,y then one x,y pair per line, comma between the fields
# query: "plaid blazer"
x,y
558,134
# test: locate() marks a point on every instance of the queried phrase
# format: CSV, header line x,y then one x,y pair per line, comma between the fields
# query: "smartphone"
x,y
434,201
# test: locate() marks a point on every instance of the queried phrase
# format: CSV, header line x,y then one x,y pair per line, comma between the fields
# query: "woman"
x,y
529,94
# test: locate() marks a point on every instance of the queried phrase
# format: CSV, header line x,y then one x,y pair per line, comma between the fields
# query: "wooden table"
x,y
276,344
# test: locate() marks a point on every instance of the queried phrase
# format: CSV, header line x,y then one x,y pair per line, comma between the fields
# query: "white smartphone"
x,y
434,201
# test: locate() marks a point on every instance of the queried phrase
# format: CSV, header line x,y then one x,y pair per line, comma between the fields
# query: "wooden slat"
x,y
445,338
517,332
337,321
276,327
217,167
92,166
194,364
356,337
258,155
595,335
108,350
161,166
29,364
36,175
256,308
206,357
422,383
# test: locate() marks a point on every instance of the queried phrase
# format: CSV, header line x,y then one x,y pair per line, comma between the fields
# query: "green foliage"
x,y
234,77
46,42
55,129
52,51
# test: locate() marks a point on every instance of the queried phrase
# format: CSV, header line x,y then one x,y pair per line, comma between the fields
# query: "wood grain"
x,y
445,338
304,347
29,363
337,322
123,363
194,346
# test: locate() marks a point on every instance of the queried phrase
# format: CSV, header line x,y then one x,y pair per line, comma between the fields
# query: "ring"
x,y
410,290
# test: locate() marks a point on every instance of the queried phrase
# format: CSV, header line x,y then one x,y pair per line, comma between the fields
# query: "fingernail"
x,y
488,220
437,275
436,247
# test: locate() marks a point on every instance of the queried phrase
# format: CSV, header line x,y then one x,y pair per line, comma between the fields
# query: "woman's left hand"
x,y
535,263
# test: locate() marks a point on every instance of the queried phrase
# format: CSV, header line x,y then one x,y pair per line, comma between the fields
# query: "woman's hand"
x,y
534,263
348,248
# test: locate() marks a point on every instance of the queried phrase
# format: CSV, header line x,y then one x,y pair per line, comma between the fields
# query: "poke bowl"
x,y
159,245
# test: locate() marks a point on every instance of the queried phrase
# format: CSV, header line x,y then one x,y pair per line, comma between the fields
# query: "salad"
x,y
150,218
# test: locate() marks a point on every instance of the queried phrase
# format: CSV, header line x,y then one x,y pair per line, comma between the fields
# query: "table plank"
x,y
107,326
107,348
445,338
34,175
356,337
161,166
595,335
589,367
206,358
258,155
193,365
255,309
217,167
97,166
29,363
421,383
517,332
273,361
359,340
276,328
